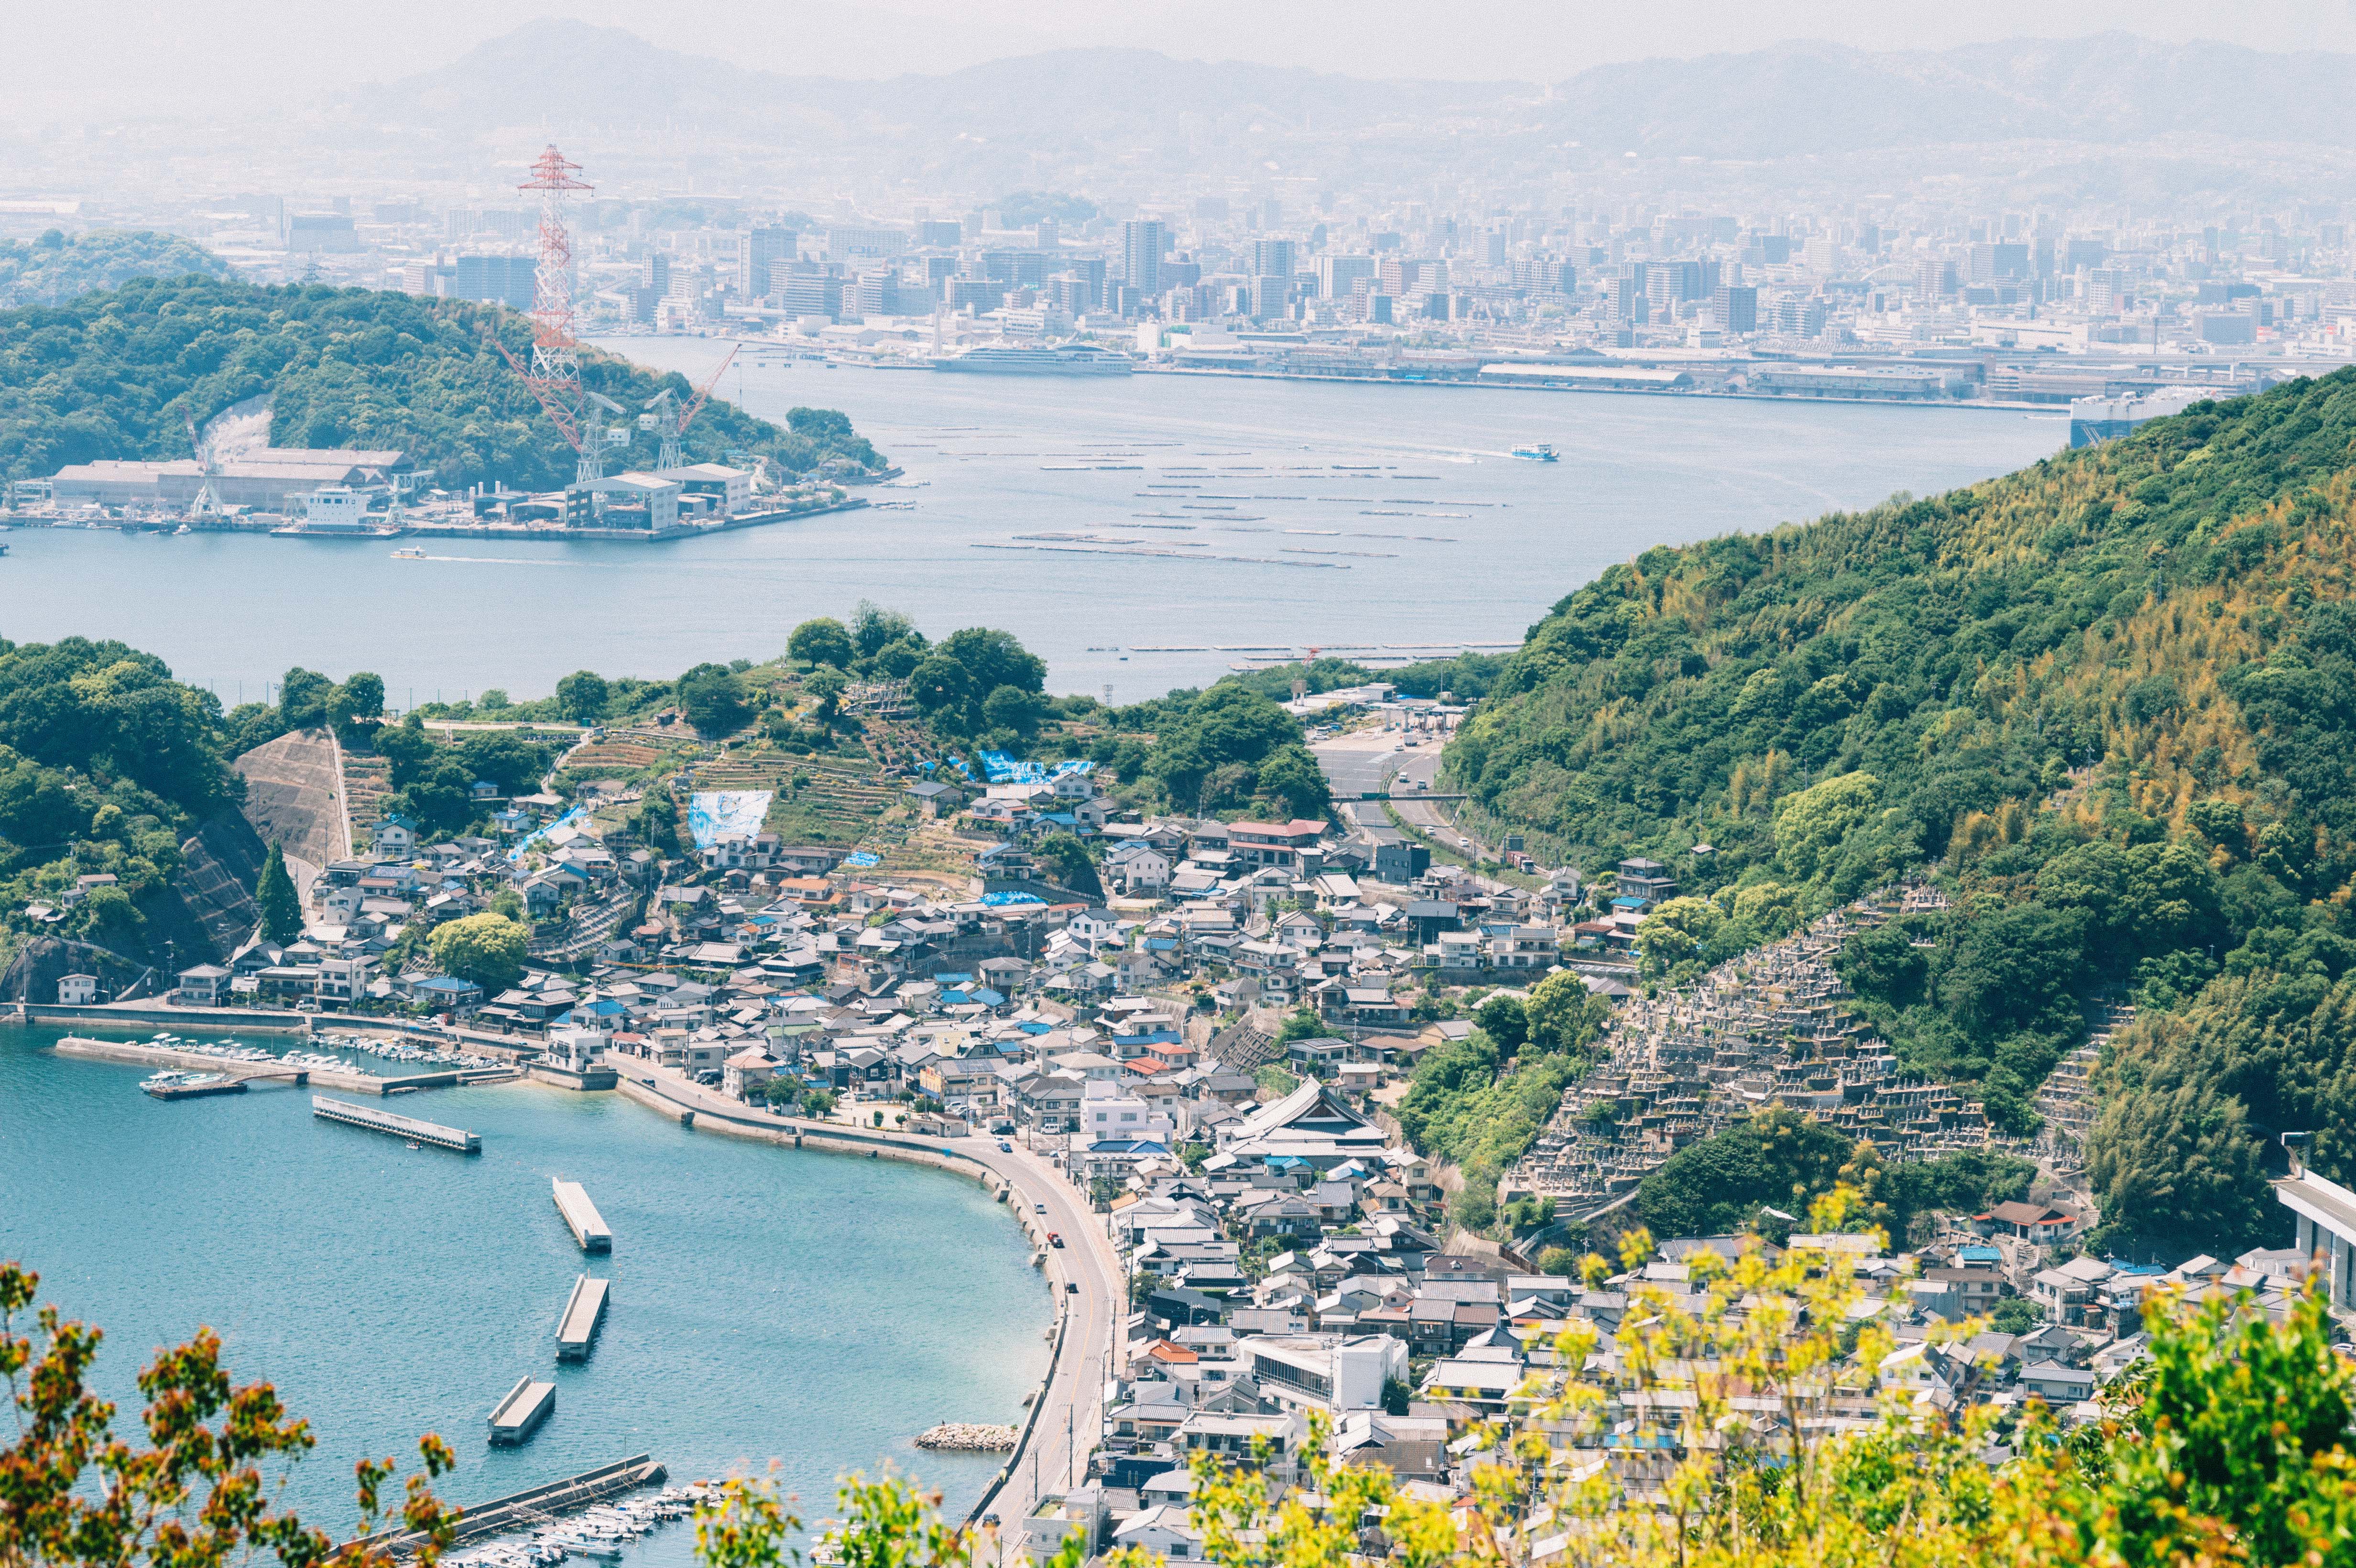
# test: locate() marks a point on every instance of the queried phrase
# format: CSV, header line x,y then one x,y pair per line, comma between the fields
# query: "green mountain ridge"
x,y
118,374
2108,698
57,267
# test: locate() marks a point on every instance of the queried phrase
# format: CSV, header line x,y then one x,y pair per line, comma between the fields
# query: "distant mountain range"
x,y
1135,114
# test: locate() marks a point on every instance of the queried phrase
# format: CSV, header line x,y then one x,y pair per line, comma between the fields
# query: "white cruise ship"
x,y
1063,359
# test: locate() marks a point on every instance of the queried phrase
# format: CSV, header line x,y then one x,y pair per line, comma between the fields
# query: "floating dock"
x,y
518,1415
582,1217
409,1127
534,1505
576,1326
224,1085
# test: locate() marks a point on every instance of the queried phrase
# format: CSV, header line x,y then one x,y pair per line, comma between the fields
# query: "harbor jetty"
x,y
969,1437
410,1127
576,1326
145,1053
518,1415
534,1505
580,1217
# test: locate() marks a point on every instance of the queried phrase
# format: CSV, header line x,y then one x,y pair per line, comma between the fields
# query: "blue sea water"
x,y
1476,552
768,1303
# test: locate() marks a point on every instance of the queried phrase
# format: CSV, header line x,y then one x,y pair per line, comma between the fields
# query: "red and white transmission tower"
x,y
554,377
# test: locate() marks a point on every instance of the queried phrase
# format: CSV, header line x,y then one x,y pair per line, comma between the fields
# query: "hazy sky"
x,y
230,52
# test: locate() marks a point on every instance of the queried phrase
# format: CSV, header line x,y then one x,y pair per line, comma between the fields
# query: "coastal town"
x,y
1202,1063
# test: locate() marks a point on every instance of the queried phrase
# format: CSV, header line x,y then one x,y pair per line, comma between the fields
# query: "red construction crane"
x,y
671,421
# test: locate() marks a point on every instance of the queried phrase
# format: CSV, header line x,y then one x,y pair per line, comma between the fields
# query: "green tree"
x,y
1564,1015
406,749
940,685
713,699
1779,1159
992,659
1011,708
873,628
302,699
358,701
110,917
1811,825
656,823
1291,777
582,697
1066,859
282,910
487,949
1503,1020
1674,933
822,640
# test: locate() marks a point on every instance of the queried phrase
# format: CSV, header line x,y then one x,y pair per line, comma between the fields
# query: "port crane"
x,y
669,419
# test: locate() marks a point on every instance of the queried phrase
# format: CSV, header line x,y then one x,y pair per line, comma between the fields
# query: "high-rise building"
x,y
939,233
1272,258
1143,242
1629,300
758,256
874,294
1736,308
813,291
502,279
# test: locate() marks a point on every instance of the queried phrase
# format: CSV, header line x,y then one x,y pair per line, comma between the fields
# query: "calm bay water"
x,y
767,1304
1426,531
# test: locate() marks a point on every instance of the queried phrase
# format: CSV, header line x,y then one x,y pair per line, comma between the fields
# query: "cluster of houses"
x,y
1289,1265
1286,1257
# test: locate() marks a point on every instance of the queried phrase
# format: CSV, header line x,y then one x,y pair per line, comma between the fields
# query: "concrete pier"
x,y
146,1055
581,1216
534,1505
518,1415
368,1116
576,1326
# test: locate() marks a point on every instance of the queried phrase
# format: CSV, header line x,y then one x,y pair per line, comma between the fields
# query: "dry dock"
x,y
518,1415
576,1326
409,1127
582,1217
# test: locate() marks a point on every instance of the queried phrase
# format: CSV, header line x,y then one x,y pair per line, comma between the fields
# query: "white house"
x,y
77,991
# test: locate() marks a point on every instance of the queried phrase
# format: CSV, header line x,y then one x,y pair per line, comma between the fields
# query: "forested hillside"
x,y
57,267
106,765
118,374
2110,698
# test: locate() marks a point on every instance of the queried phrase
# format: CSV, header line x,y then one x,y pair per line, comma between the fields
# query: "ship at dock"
x,y
1036,359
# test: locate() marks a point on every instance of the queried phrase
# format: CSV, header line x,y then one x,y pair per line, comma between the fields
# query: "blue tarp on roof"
x,y
1003,768
711,813
999,901
862,858
577,815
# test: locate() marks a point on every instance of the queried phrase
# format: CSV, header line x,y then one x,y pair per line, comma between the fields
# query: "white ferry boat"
x,y
1025,359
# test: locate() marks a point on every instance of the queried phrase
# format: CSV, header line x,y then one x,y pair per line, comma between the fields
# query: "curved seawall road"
x,y
1066,1419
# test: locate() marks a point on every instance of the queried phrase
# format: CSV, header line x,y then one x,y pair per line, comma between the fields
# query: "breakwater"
x,y
146,1055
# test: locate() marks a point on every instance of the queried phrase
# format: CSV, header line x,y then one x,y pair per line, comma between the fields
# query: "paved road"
x,y
1368,760
1073,1414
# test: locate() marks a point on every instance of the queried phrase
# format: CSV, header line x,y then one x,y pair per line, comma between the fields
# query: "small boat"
x,y
1538,451
409,553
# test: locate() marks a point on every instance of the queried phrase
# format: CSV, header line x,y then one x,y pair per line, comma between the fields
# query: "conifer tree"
x,y
281,912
